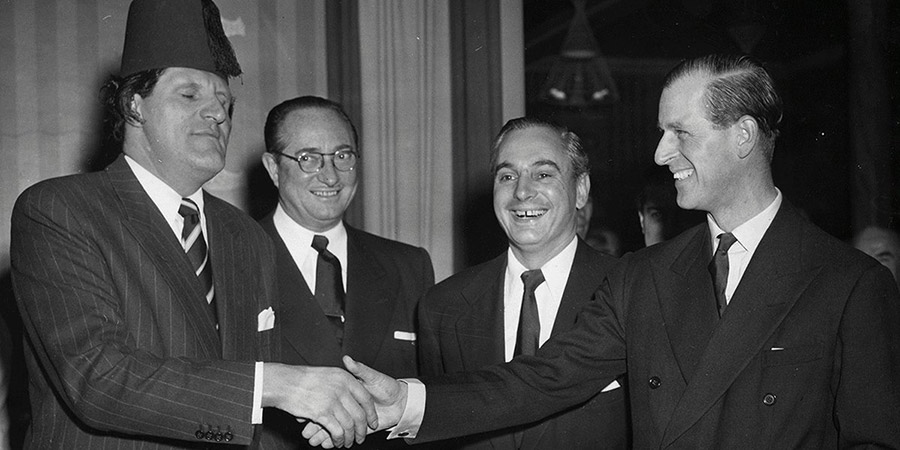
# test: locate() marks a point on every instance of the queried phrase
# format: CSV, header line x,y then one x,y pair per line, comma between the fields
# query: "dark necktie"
x,y
528,338
329,287
718,268
195,247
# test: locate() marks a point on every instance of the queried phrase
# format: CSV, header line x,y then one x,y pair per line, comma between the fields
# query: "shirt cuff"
x,y
413,412
257,417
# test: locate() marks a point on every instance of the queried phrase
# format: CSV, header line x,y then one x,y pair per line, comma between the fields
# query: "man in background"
x,y
882,244
512,304
148,303
343,291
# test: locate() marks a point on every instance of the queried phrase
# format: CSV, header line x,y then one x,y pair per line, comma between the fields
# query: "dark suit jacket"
x,y
805,355
122,348
461,328
385,280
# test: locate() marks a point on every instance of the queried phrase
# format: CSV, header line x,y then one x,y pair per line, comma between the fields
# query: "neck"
x,y
536,258
741,209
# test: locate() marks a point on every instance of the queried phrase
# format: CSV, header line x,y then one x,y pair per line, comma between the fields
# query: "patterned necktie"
x,y
528,338
329,287
718,268
195,247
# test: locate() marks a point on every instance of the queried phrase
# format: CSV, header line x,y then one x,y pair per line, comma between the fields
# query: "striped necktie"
x,y
195,247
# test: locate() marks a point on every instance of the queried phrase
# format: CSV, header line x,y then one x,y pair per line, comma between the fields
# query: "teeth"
x,y
325,193
682,174
532,213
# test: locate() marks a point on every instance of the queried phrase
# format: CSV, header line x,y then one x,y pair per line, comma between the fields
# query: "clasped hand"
x,y
327,396
388,394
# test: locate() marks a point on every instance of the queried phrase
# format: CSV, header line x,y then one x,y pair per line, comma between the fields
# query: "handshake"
x,y
339,408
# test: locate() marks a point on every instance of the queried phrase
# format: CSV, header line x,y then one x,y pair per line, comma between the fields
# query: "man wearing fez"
x,y
512,304
342,290
148,303
753,330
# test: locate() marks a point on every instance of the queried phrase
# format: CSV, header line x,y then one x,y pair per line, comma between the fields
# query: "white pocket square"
x,y
265,320
405,336
612,386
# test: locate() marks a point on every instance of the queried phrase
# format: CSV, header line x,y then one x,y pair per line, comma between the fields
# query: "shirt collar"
x,y
556,270
166,199
751,232
294,232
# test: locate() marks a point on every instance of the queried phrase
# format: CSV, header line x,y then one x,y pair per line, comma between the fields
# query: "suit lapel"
x,y
153,234
771,285
225,254
370,299
309,333
580,286
479,330
687,301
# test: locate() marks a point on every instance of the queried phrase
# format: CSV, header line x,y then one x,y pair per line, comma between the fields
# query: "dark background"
x,y
806,45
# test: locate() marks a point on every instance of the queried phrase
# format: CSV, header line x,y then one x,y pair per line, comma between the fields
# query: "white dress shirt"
x,y
299,244
548,294
748,235
168,201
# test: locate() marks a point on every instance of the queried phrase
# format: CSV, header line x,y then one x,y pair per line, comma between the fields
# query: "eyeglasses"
x,y
312,162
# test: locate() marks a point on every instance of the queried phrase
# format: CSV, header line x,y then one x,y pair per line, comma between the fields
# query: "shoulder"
x,y
378,245
68,192
596,261
483,276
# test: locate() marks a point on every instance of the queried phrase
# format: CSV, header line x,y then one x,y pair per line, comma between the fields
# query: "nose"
x,y
665,149
524,188
216,111
328,173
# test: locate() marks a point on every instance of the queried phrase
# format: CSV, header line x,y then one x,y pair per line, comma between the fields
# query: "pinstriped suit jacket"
x,y
122,349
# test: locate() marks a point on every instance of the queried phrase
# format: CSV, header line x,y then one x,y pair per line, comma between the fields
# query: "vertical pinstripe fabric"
x,y
122,345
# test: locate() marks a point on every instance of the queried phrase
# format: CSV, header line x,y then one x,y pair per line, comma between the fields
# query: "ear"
x,y
582,190
747,135
271,166
137,106
641,219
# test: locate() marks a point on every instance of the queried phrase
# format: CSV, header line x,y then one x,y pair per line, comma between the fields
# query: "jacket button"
x,y
210,435
769,399
654,382
227,437
200,434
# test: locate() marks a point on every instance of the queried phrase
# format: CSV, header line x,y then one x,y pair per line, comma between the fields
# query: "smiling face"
x,y
184,129
316,201
701,156
536,195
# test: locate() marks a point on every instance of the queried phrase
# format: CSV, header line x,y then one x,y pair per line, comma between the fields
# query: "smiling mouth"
x,y
682,174
325,194
529,213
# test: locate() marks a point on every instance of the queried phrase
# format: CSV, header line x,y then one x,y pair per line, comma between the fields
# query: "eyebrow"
x,y
540,162
317,150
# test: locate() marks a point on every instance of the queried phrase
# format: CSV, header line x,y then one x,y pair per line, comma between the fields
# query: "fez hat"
x,y
177,33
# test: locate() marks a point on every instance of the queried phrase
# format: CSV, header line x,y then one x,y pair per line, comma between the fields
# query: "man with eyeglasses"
x,y
342,290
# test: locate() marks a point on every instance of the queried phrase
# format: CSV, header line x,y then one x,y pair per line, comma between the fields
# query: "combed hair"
x,y
581,164
740,86
117,95
272,130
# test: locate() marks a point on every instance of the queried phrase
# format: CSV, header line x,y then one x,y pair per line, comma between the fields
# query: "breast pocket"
x,y
783,356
